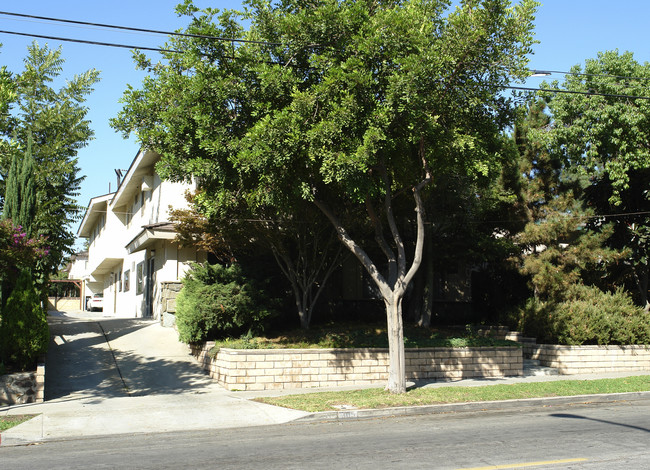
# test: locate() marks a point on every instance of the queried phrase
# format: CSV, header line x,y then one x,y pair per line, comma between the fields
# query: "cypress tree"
x,y
12,193
27,185
20,191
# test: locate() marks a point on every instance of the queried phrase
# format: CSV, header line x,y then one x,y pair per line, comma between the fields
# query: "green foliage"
x,y
24,333
586,315
338,103
17,253
556,248
216,301
50,125
20,191
605,137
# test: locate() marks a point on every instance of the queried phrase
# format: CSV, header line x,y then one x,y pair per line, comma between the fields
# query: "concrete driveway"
x,y
117,357
112,376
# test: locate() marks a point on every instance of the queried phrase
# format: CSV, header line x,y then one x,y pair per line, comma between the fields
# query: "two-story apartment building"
x,y
132,255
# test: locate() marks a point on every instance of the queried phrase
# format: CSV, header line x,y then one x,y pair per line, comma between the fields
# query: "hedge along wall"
x,y
591,359
268,369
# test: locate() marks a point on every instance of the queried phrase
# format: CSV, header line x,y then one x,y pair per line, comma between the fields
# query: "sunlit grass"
x,y
7,422
378,398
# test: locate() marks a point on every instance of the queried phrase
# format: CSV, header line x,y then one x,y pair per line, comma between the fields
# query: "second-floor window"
x,y
139,278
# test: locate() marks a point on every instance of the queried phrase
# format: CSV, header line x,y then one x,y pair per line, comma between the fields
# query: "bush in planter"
x,y
24,333
217,301
586,315
592,316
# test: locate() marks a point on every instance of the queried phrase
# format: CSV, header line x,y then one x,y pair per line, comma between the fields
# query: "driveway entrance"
x,y
90,355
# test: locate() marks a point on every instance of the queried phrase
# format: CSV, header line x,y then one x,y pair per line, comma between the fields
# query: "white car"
x,y
96,303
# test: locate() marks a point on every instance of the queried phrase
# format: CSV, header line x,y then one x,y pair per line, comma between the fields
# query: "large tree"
x,y
601,130
50,126
339,103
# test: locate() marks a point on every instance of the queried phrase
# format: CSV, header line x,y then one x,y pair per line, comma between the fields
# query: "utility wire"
x,y
218,38
93,43
570,92
155,49
141,30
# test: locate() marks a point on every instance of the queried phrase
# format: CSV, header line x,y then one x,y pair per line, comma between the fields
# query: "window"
x,y
139,278
126,285
119,281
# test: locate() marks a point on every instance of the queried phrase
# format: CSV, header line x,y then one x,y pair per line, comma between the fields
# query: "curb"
x,y
501,405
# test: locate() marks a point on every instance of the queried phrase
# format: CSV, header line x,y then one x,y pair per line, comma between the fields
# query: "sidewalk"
x,y
116,376
120,376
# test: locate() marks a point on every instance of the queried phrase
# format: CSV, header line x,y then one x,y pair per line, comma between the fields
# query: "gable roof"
x,y
96,207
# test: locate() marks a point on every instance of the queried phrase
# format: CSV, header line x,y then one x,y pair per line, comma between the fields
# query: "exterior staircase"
x,y
533,368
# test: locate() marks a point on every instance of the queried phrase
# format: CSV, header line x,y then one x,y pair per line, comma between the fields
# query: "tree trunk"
x,y
396,355
641,279
304,312
394,287
427,303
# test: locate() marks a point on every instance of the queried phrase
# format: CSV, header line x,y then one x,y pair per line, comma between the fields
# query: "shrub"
x,y
218,301
24,333
587,315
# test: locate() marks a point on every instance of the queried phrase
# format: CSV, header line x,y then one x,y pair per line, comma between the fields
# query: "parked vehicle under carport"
x,y
95,303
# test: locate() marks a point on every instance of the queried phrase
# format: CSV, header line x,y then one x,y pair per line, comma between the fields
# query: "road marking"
x,y
526,464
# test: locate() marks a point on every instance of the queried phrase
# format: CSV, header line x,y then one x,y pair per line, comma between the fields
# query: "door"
x,y
150,281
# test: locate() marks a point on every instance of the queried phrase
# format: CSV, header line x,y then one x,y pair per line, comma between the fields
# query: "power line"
x,y
141,30
93,43
219,38
155,49
587,93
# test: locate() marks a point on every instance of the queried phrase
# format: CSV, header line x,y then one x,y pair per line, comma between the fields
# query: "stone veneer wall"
x,y
23,387
267,369
590,359
169,292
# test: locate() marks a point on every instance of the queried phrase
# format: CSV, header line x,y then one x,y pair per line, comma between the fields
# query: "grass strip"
x,y
7,422
379,398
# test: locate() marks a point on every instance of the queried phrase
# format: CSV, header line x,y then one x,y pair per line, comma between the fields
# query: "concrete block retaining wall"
x,y
267,369
23,387
590,359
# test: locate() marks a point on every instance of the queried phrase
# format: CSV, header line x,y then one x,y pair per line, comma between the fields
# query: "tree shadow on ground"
x,y
80,363
572,416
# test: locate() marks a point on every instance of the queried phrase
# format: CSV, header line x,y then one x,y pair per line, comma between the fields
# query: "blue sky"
x,y
569,32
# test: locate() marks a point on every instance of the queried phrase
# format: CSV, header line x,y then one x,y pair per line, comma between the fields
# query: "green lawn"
x,y
7,422
378,398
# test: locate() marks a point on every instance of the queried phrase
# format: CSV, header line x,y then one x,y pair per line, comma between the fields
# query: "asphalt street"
x,y
609,437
